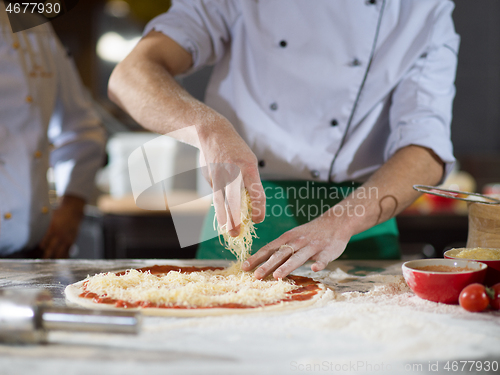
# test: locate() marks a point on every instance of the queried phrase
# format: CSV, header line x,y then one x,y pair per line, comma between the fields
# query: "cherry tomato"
x,y
495,297
473,298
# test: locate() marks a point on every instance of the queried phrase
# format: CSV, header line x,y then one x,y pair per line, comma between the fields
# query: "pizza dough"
x,y
304,293
191,291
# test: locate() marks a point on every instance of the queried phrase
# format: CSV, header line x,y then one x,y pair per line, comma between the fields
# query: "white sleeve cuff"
x,y
428,134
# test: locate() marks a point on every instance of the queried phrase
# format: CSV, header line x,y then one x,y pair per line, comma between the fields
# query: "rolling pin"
x,y
27,315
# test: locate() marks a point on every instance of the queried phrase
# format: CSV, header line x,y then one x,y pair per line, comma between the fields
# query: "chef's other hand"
x,y
231,165
321,240
63,228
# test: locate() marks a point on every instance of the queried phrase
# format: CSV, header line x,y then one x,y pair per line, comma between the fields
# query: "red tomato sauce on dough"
x,y
307,289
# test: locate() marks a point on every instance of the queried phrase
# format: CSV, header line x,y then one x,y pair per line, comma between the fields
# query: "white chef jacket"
x,y
44,113
296,76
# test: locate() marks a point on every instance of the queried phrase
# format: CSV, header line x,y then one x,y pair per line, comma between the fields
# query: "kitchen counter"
x,y
374,324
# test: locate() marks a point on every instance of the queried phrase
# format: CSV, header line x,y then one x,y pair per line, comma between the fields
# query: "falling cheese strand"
x,y
241,245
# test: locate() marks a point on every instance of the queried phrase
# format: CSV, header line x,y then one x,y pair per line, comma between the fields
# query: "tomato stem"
x,y
490,292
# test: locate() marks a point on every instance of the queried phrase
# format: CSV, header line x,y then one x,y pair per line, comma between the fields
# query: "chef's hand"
x,y
63,228
325,238
143,84
230,166
322,240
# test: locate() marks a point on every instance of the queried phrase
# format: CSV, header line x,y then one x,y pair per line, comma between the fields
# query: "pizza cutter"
x,y
26,316
456,194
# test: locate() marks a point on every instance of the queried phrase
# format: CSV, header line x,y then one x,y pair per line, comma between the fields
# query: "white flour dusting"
x,y
402,326
374,318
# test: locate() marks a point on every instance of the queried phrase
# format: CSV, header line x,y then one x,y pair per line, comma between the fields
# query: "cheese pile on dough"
x,y
199,289
241,245
196,289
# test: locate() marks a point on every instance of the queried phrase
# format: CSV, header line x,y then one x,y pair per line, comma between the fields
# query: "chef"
x,y
45,117
331,110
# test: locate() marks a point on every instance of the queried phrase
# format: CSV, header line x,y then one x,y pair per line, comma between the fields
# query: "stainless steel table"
x,y
371,326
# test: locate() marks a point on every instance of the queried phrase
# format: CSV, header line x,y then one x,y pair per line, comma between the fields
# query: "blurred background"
x,y
100,33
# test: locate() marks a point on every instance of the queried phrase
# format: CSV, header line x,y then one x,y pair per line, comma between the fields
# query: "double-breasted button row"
x,y
43,210
274,107
356,62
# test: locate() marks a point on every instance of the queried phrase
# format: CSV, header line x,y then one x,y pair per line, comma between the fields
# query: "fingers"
x,y
220,206
57,242
227,156
294,262
329,254
285,256
322,260
276,253
54,248
227,195
276,259
264,253
251,180
227,185
292,249
233,205
44,243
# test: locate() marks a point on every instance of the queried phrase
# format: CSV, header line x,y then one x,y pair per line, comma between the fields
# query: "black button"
x,y
423,55
274,106
356,62
371,2
262,163
283,43
334,122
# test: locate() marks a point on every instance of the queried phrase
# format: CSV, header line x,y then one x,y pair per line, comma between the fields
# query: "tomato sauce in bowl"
x,y
443,268
442,280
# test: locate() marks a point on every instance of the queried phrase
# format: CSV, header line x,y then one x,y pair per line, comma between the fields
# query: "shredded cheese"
x,y
199,289
241,245
479,254
191,290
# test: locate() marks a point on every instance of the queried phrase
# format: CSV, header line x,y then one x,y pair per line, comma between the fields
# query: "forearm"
x,y
143,85
64,226
72,204
390,190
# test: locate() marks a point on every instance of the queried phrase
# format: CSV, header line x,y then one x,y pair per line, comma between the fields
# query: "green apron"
x,y
293,203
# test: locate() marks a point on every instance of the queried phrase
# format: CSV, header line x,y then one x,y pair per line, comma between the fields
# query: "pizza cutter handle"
x,y
75,319
27,315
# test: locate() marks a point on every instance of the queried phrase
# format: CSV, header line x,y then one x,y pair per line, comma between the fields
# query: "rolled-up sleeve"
x,y
75,132
421,109
201,27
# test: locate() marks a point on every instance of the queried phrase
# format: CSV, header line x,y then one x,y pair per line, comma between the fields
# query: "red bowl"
x,y
493,272
444,287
